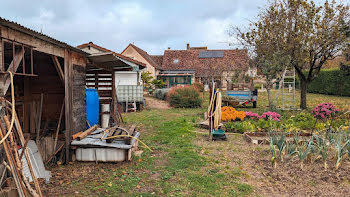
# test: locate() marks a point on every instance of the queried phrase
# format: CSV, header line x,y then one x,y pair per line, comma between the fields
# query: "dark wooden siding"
x,y
79,99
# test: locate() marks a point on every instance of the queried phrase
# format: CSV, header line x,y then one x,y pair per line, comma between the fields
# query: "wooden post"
x,y
31,62
68,71
13,56
23,61
209,114
39,119
27,155
26,99
2,59
114,95
11,160
2,65
58,126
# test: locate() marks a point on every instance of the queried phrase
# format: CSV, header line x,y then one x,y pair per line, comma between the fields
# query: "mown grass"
x,y
175,168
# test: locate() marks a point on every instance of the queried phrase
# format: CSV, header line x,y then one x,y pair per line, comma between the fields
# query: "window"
x,y
176,61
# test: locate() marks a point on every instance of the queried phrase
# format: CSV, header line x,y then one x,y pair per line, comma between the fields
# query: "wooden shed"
x,y
49,77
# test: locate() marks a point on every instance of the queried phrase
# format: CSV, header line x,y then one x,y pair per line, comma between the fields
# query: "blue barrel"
x,y
92,107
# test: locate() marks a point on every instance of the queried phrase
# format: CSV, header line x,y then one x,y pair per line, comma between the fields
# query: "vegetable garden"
x,y
327,138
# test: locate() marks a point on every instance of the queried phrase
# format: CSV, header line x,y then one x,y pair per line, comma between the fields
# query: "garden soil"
x,y
288,179
153,103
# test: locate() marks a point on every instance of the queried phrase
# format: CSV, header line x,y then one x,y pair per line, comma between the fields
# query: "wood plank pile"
x,y
12,140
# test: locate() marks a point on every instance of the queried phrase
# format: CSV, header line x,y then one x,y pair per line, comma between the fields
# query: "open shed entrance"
x,y
39,94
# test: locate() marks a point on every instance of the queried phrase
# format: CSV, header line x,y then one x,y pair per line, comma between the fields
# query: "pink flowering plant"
x,y
271,115
325,111
251,115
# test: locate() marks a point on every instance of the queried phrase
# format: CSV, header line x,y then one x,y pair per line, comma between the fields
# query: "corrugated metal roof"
x,y
18,27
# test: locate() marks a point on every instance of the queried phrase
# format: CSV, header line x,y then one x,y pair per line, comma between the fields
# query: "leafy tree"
x,y
272,67
146,79
309,34
158,83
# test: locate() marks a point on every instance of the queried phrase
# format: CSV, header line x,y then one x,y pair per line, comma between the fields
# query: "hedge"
x,y
184,97
331,81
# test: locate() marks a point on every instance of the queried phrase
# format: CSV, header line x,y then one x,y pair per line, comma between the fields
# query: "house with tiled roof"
x,y
202,64
194,64
153,62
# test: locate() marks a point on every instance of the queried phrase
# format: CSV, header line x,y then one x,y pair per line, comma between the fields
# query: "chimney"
x,y
168,48
90,43
188,46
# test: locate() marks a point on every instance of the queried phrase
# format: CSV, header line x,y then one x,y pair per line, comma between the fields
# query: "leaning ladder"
x,y
288,89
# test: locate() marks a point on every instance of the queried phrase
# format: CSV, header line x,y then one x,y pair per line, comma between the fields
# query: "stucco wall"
x,y
132,53
92,50
127,78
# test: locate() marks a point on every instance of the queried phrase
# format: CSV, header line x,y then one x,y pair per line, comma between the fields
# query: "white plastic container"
x,y
105,110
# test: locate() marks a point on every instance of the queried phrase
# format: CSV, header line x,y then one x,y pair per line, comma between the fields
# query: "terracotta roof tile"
x,y
158,59
189,59
145,55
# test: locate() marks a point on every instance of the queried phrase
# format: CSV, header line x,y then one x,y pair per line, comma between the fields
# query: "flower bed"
x,y
231,114
323,117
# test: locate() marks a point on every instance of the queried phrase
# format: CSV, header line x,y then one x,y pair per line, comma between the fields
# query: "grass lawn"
x,y
184,163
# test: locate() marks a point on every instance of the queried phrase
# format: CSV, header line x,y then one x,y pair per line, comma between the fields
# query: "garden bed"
x,y
263,137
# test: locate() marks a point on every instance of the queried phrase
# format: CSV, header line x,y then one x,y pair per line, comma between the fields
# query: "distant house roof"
x,y
206,62
158,59
41,36
91,44
149,58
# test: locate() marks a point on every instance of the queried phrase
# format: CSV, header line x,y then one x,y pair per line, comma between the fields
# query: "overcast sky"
x,y
153,25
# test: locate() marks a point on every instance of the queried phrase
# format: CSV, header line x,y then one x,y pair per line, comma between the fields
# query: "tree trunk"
x,y
303,91
268,89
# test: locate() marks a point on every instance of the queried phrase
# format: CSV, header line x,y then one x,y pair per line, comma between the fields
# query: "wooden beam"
x,y
29,40
87,132
2,65
13,67
68,89
27,155
58,126
58,67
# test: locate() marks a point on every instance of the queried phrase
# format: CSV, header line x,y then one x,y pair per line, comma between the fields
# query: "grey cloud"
x,y
151,24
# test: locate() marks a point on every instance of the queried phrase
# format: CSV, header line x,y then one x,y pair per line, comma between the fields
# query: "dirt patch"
x,y
287,179
153,103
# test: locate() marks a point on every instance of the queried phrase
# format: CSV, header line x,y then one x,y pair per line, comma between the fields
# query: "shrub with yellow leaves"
x,y
231,114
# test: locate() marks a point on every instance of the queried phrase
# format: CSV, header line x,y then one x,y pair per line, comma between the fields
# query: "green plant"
x,y
341,150
279,140
322,146
199,86
258,86
234,127
184,97
268,124
248,126
157,83
302,149
146,78
161,93
273,152
331,81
